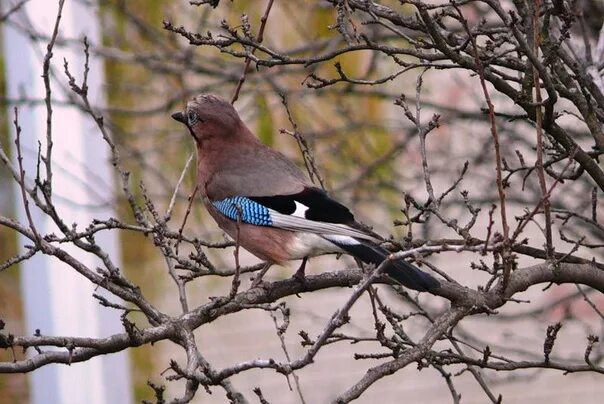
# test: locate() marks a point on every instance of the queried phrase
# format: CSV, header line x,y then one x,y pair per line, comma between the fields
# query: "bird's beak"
x,y
180,117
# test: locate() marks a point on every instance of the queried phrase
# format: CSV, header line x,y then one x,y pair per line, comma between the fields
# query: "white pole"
x,y
58,301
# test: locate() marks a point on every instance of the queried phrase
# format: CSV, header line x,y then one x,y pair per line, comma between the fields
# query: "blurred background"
x,y
367,154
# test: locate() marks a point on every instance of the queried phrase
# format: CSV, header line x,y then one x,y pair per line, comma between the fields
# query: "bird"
x,y
266,203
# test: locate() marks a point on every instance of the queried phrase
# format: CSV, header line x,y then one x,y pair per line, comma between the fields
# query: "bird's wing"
x,y
255,172
311,210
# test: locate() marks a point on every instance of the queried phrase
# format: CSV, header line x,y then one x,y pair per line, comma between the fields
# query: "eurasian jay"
x,y
263,200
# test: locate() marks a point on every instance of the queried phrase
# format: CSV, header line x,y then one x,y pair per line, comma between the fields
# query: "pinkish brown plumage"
x,y
265,243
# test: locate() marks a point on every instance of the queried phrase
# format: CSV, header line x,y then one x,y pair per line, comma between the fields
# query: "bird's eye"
x,y
192,117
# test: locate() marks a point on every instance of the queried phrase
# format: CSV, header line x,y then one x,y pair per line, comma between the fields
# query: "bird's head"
x,y
207,116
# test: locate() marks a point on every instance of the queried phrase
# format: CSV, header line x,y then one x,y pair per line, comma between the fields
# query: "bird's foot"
x,y
260,283
258,278
300,275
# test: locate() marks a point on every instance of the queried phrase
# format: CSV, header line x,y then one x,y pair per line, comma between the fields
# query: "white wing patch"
x,y
300,210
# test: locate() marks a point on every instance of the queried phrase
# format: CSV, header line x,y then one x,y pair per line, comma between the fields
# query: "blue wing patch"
x,y
244,209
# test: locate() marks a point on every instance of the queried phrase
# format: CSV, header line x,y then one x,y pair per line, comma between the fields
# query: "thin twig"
x,y
248,60
529,216
549,247
236,282
281,334
181,229
307,155
22,186
180,179
507,260
48,101
422,137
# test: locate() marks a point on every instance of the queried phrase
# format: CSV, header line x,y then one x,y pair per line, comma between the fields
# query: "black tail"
x,y
406,274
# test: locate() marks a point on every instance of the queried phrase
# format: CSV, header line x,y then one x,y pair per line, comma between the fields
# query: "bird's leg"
x,y
258,278
300,275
